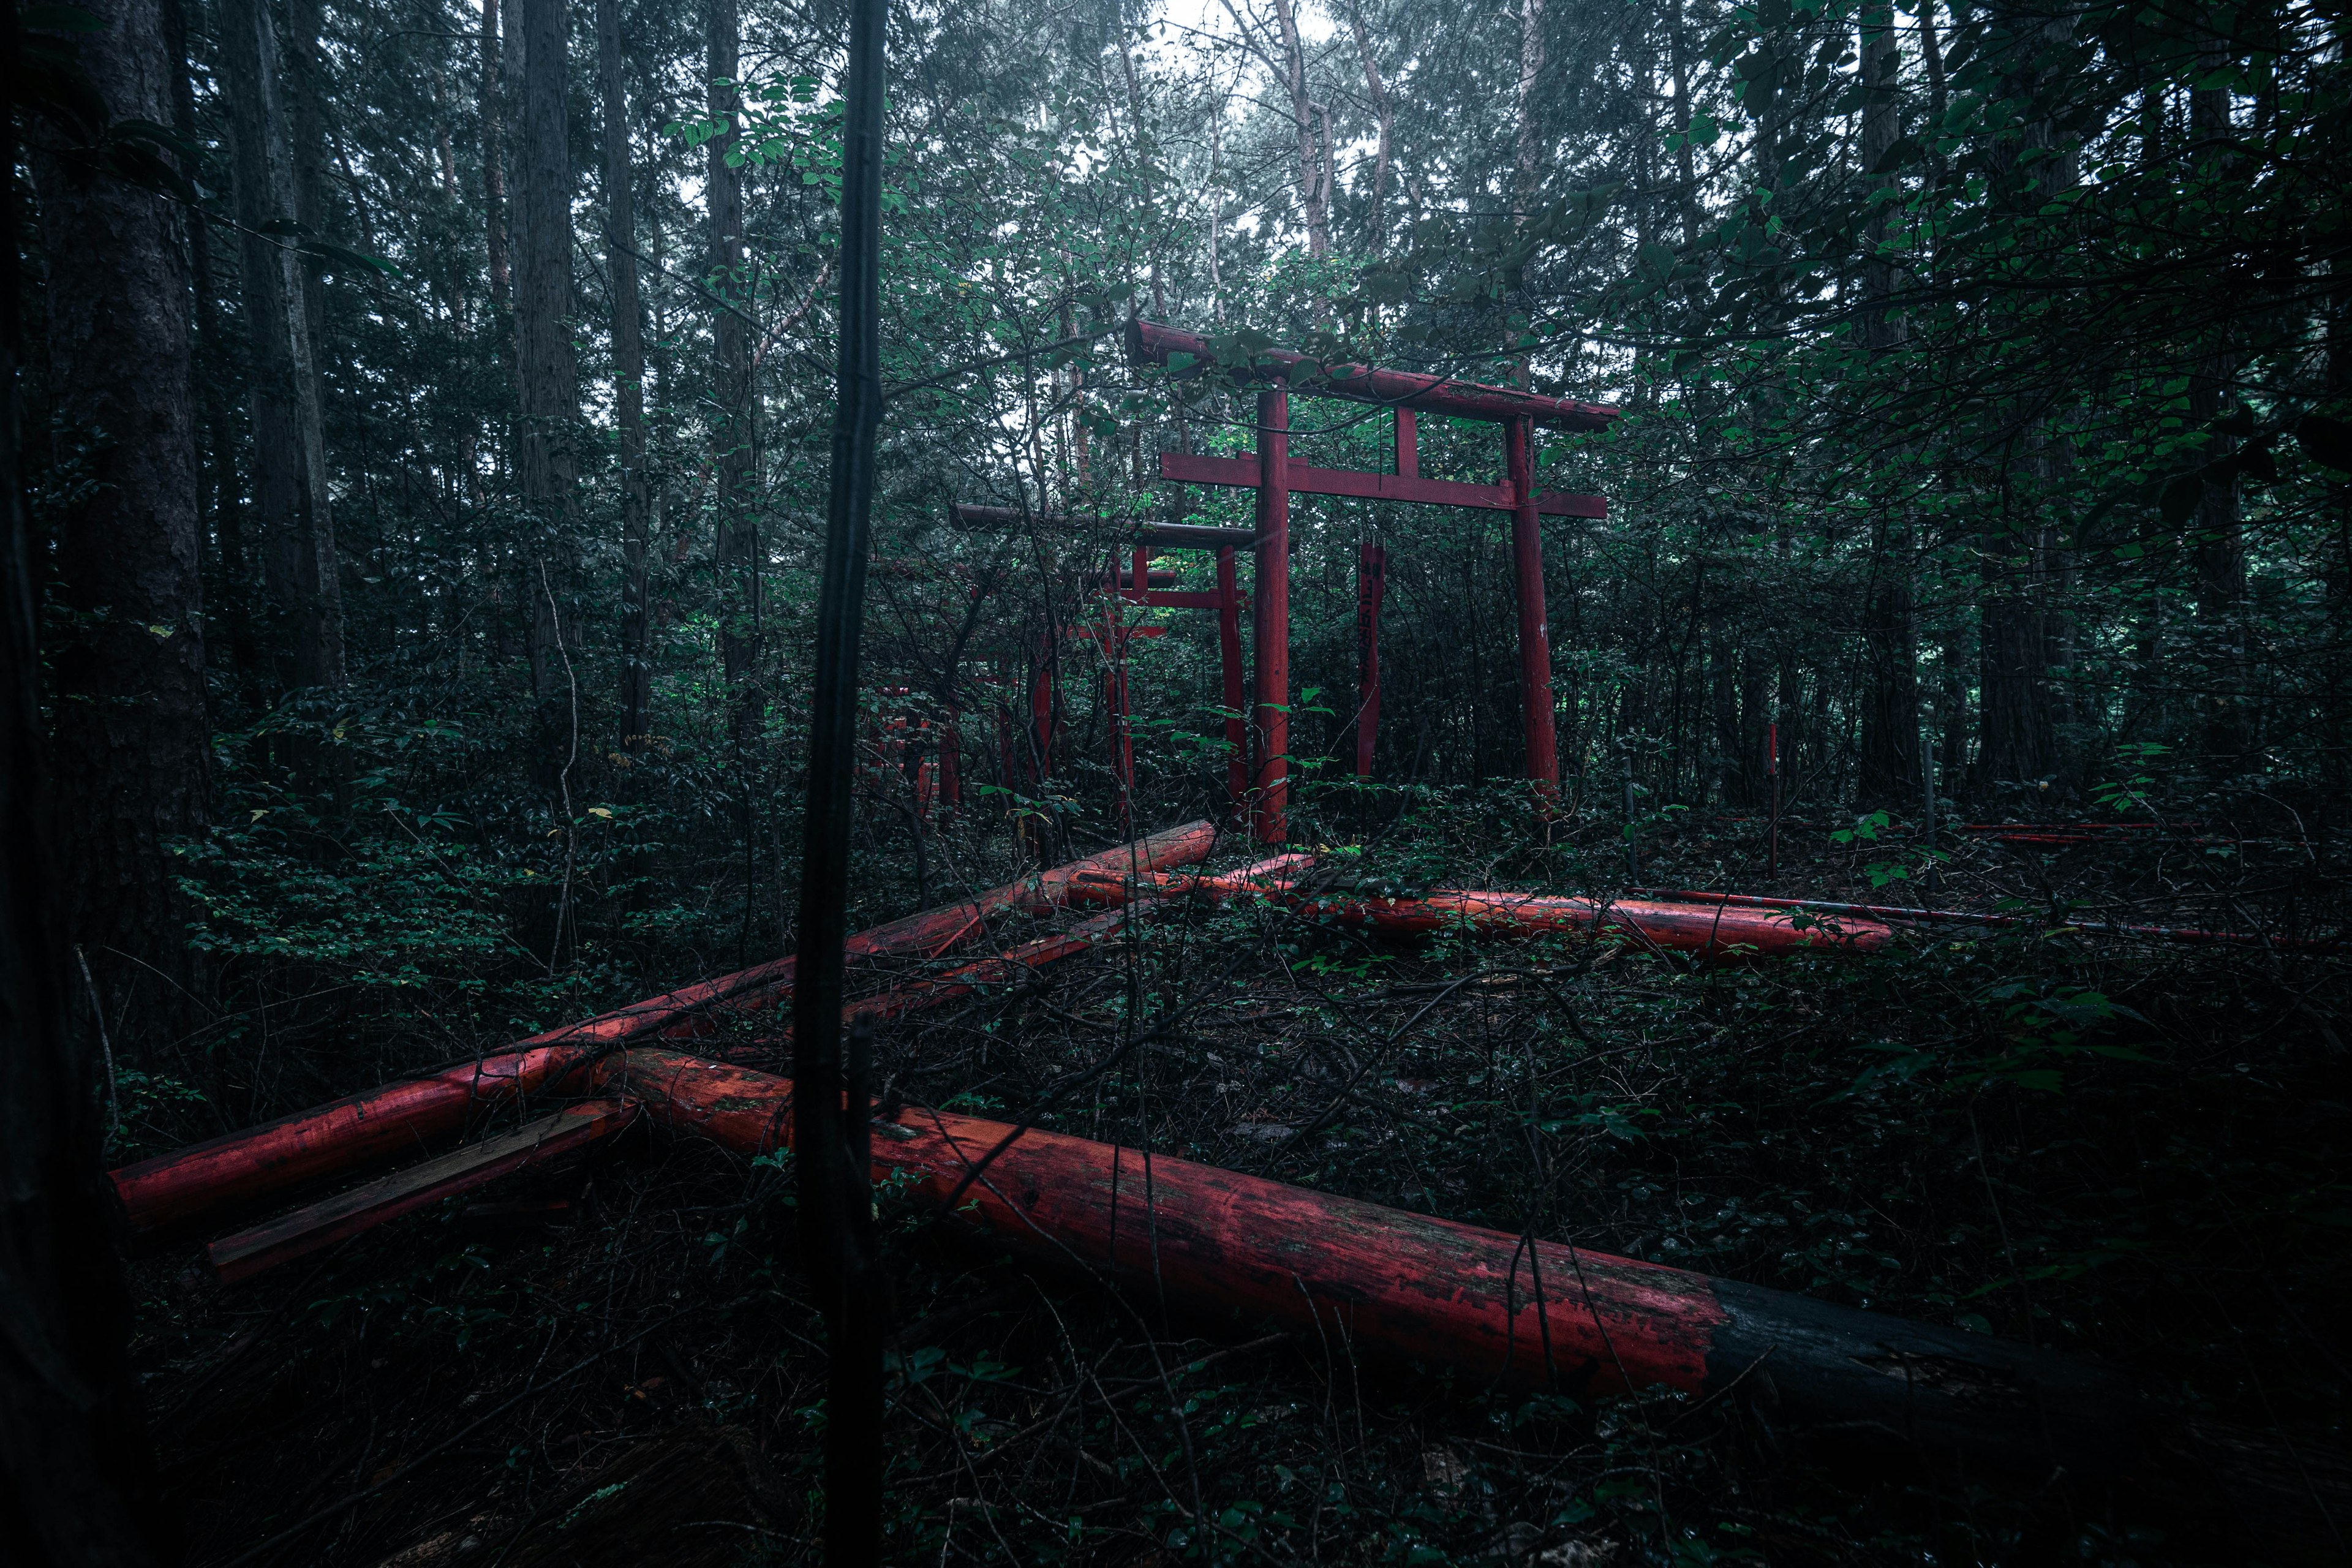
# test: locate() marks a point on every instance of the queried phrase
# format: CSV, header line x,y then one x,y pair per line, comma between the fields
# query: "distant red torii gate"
x,y
1270,472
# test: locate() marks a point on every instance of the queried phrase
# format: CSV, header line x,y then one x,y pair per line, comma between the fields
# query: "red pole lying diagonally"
x,y
1494,1307
382,1123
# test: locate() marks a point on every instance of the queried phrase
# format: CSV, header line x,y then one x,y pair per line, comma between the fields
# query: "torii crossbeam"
x,y
1270,472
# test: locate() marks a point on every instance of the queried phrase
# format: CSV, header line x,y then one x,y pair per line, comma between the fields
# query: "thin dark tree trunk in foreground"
x,y
132,738
547,373
75,1478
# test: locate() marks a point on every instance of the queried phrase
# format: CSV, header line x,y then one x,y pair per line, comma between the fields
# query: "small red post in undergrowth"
x,y
1773,776
951,744
1041,694
1229,656
1534,638
1271,800
1372,581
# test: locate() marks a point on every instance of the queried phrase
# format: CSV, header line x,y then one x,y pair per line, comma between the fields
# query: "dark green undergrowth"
x,y
2122,1151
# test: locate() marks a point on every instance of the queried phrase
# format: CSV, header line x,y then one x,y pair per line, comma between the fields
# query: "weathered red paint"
x,y
1711,930
1847,913
1410,1285
1535,636
1499,1309
411,1116
1271,799
1153,342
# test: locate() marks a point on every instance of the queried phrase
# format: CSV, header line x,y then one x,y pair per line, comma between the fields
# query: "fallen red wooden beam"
x,y
248,1253
1878,912
1492,1307
410,1116
1717,931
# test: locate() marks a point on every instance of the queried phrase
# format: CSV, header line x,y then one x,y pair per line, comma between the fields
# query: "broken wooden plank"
x,y
330,1220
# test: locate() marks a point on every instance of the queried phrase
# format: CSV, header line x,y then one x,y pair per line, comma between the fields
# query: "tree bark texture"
x,y
1384,112
297,537
132,738
547,373
628,376
494,154
318,626
734,431
1526,142
74,1476
1314,190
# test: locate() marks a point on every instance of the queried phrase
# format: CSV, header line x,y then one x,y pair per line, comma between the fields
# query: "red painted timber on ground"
x,y
1411,1284
1714,930
382,1123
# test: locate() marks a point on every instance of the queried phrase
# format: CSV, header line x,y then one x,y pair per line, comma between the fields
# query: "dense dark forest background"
x,y
1976,370
425,412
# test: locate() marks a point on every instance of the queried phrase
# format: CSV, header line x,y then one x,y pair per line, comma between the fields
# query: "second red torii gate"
x,y
1275,477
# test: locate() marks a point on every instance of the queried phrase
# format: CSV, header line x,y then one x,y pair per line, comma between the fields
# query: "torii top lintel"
x,y
1151,342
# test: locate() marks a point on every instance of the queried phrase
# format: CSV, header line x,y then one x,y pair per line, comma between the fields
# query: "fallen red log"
x,y
1013,967
171,1190
347,1213
1481,1302
1882,912
1714,931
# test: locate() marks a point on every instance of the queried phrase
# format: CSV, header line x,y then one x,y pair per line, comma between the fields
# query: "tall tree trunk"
x,y
1889,763
1314,191
75,1478
739,532
133,738
319,627
1376,223
494,154
218,499
1527,142
546,375
296,569
628,376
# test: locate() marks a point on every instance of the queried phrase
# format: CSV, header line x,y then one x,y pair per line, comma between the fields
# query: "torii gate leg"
x,y
1535,641
1372,578
1229,654
1271,622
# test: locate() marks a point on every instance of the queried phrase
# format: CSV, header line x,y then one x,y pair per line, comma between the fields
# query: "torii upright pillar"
x,y
1535,638
1270,623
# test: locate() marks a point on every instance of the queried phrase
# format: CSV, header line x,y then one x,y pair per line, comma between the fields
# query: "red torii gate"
x,y
1270,472
1136,583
